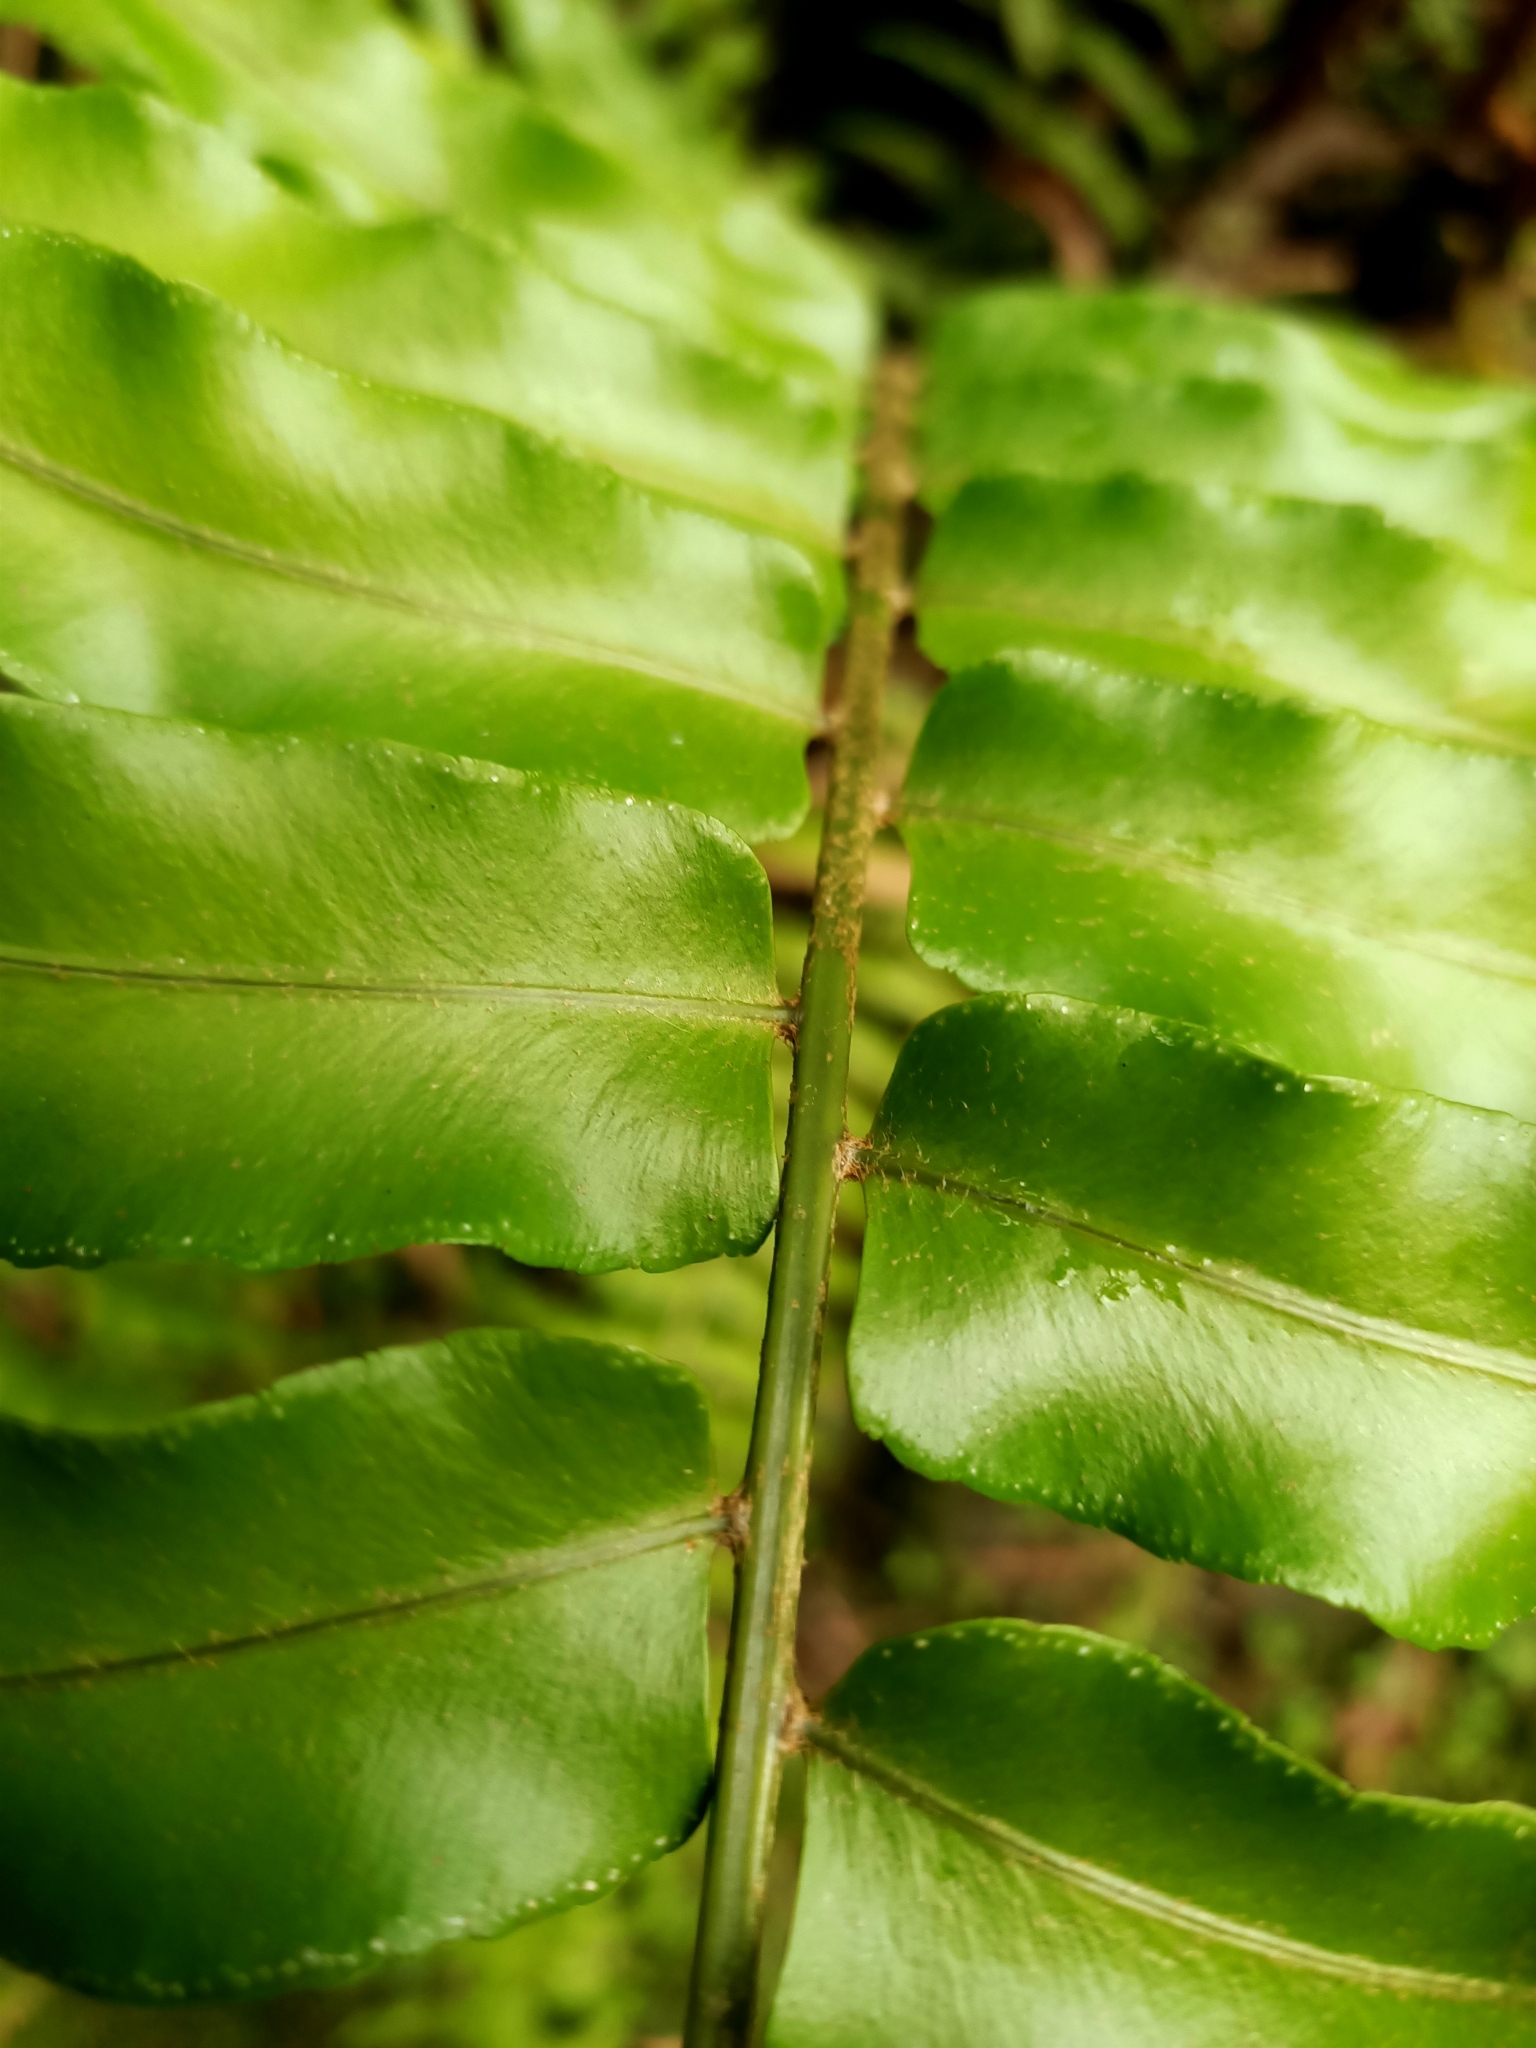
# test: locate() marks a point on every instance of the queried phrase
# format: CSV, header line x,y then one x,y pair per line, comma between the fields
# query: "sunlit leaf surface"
x,y
283,1000
1081,385
201,524
1283,1327
1347,898
1211,586
343,104
429,305
1026,1835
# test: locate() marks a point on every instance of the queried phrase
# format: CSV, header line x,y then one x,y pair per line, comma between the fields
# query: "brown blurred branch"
x,y
1230,239
1076,239
20,50
1506,49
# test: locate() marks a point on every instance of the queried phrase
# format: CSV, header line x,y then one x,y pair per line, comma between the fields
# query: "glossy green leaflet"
x,y
187,541
970,1830
433,307
228,1708
277,1000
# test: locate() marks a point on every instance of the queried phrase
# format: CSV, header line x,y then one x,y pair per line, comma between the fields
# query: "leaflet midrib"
x,y
1274,1296
527,1568
28,961
1211,879
1131,1895
341,583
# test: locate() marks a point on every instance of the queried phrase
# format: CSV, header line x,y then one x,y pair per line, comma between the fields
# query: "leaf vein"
x,y
339,582
1459,1353
22,961
1132,1896
1206,876
527,1569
